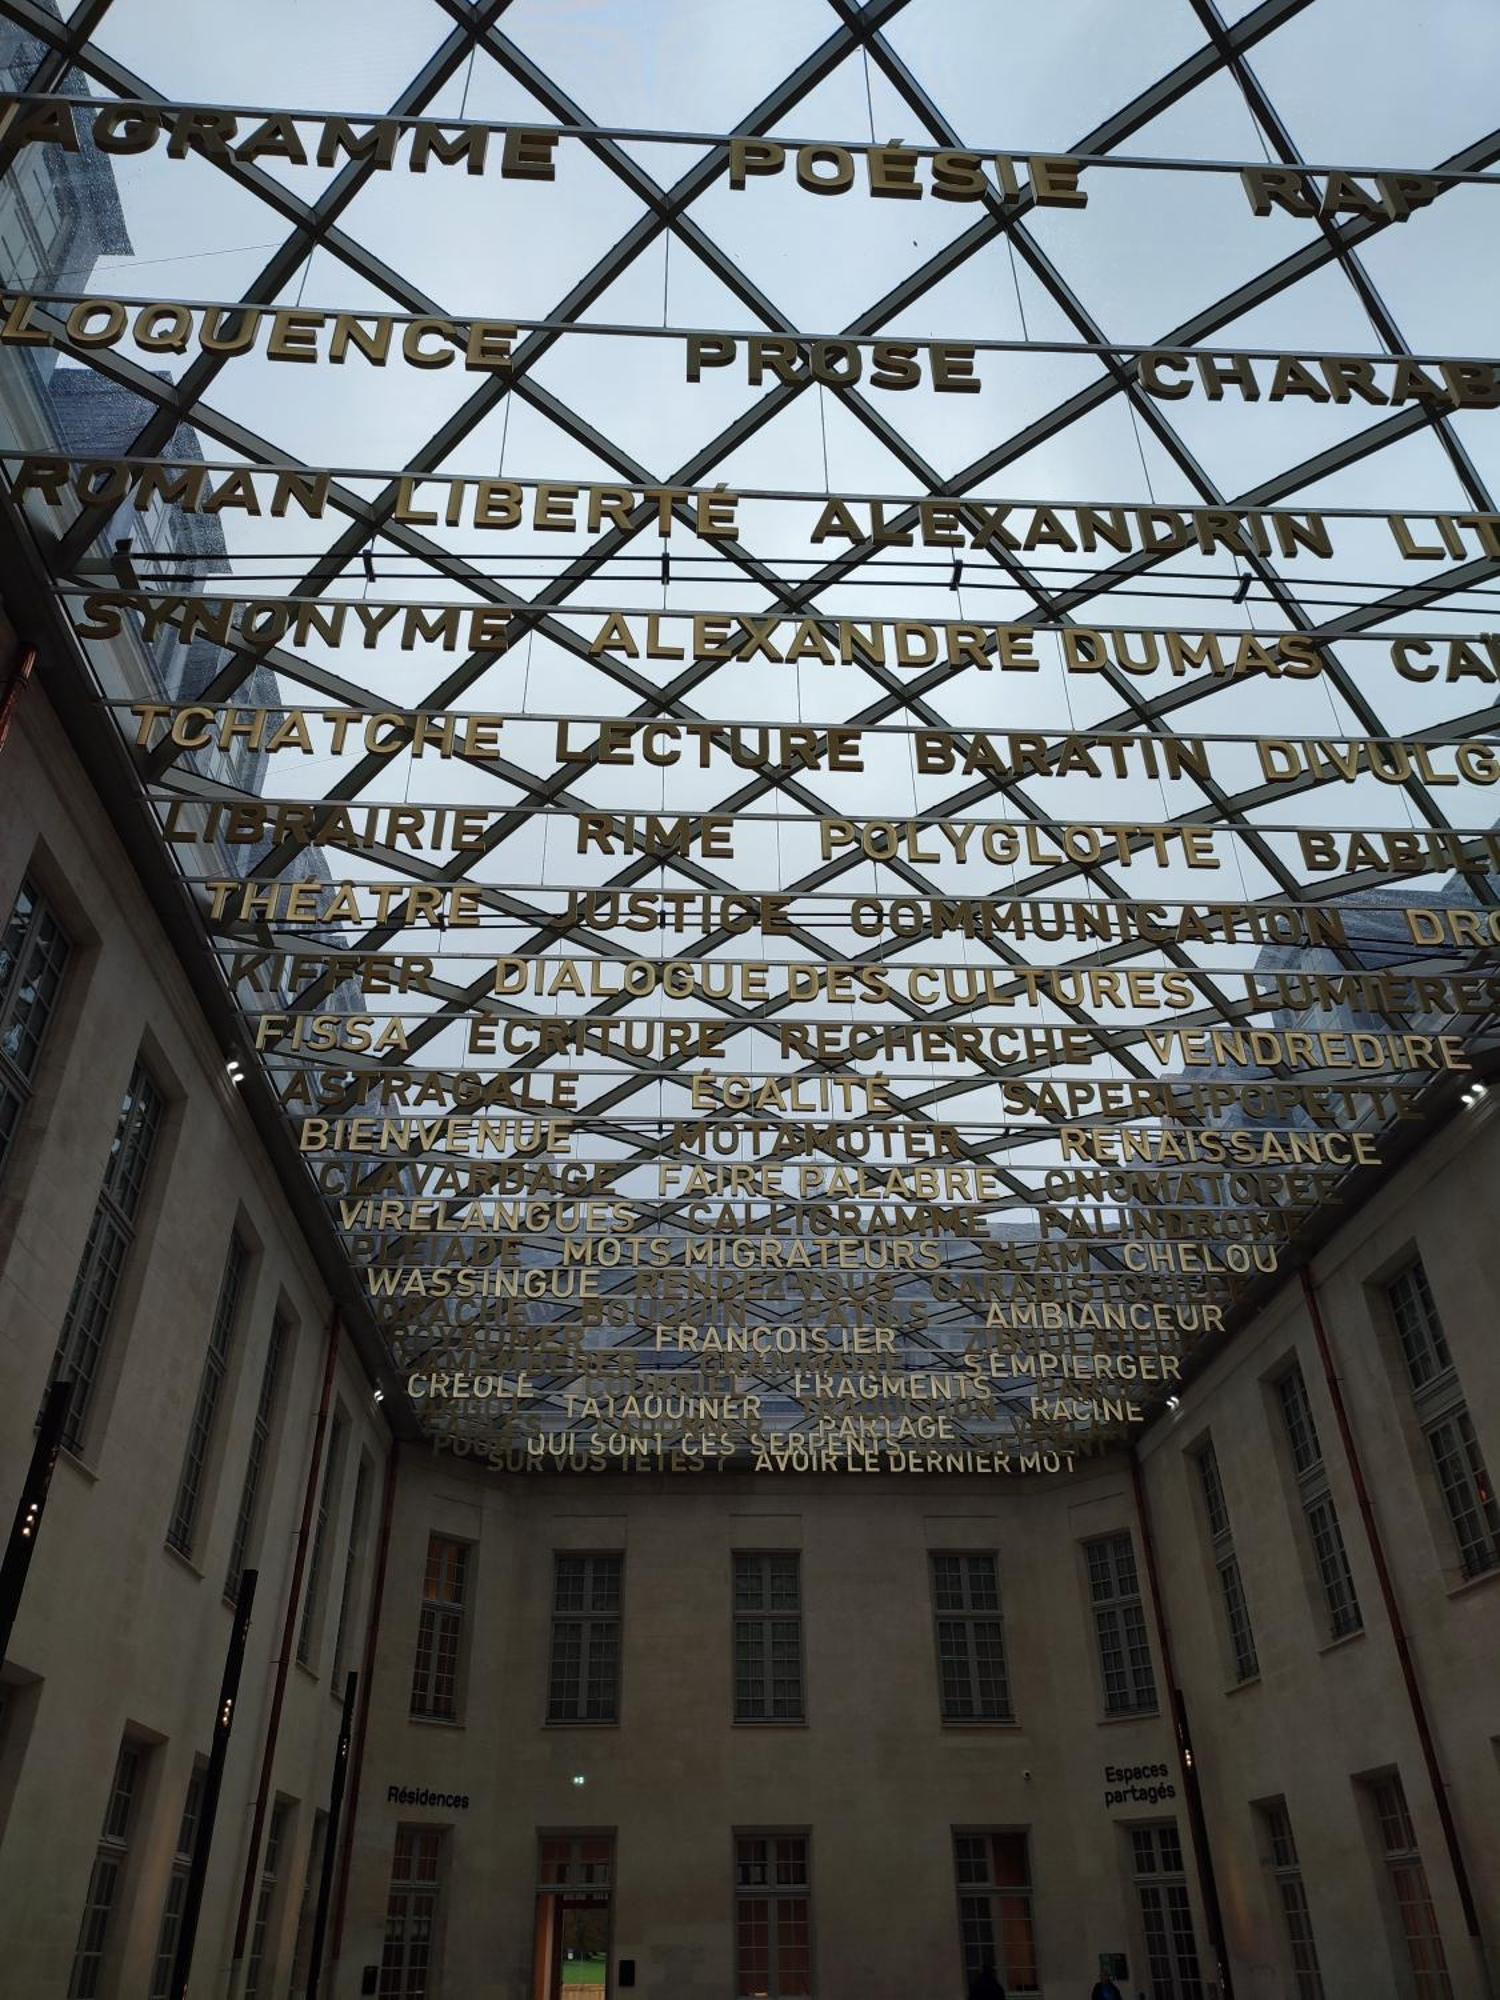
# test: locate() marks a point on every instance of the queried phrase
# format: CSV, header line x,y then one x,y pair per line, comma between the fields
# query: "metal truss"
x,y
476,33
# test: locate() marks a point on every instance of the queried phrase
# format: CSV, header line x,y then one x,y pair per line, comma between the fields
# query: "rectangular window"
x,y
317,1568
182,1861
434,1679
103,1897
772,1916
1166,1914
80,1349
351,1565
1120,1626
257,1971
307,1914
411,1915
33,952
1286,1879
246,1517
995,1924
970,1639
1322,1522
184,1523
767,1638
1463,1479
1227,1564
1410,1897
583,1678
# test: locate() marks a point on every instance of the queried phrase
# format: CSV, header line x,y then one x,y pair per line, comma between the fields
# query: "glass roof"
x,y
963,757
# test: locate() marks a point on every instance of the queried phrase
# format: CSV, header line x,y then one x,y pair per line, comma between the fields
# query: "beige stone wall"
x,y
875,1775
1321,1713
116,1631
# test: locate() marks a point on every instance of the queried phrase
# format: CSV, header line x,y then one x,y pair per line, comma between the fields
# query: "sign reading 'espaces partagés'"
x,y
799,1076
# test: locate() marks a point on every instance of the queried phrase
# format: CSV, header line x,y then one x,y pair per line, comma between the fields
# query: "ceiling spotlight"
x,y
1173,1402
379,1393
235,1070
579,1778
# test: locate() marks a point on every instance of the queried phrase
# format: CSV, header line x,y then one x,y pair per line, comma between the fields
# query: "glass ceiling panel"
x,y
836,874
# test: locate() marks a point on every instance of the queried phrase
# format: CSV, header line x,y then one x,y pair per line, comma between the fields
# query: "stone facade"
x,y
122,1637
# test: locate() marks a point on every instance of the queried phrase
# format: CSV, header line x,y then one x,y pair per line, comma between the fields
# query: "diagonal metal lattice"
x,y
627,1110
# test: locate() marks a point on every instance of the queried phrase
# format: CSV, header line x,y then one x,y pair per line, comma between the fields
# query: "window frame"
x,y
1332,1590
1235,1623
995,1892
23,934
598,1630
168,1929
310,1626
765,1619
1167,1886
1451,1461
969,1619
774,1894
1403,1878
112,1851
261,1453
1120,1603
411,1886
100,1278
214,1381
436,1615
1282,1864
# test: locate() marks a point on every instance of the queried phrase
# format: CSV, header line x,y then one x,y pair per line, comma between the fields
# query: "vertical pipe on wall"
x,y
288,1642
208,1812
1397,1624
1208,1886
330,1839
367,1677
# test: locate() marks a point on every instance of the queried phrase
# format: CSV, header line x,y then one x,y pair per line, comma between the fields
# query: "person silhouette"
x,y
985,1985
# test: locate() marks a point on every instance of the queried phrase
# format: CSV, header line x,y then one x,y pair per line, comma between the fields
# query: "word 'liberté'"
x,y
557,507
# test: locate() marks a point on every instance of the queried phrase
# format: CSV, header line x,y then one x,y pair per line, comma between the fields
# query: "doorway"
x,y
571,1960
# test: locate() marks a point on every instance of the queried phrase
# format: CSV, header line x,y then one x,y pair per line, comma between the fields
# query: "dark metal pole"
x,y
331,1836
372,1634
229,1689
32,1505
1208,1885
288,1641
